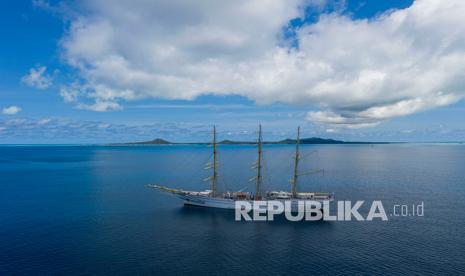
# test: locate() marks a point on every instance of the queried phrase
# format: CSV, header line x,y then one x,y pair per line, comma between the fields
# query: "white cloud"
x,y
44,121
68,95
371,116
100,106
11,110
37,78
359,72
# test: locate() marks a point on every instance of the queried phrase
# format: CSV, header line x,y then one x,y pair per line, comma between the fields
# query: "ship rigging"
x,y
215,199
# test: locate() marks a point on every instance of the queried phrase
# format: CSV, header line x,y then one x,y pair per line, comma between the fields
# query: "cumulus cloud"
x,y
358,72
37,78
11,110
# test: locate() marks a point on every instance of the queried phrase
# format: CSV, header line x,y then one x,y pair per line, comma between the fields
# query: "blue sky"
x,y
85,73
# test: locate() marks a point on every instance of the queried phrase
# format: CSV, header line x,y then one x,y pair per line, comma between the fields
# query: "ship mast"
x,y
258,180
214,166
296,164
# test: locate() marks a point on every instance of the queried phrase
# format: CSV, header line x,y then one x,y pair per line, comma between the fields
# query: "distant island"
x,y
312,140
157,141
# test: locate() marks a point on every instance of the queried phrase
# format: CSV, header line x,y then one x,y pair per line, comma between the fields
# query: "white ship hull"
x,y
204,201
227,203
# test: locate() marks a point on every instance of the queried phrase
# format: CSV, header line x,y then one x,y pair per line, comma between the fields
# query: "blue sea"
x,y
83,210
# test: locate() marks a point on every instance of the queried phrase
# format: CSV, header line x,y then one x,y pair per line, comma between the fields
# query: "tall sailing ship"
x,y
226,200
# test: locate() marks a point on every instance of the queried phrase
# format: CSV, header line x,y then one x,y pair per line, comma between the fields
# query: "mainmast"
x,y
214,166
296,164
258,180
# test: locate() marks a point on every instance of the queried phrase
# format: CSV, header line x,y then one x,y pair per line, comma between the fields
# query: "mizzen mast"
x,y
296,164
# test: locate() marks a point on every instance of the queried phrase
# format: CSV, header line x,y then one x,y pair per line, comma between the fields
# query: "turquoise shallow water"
x,y
86,210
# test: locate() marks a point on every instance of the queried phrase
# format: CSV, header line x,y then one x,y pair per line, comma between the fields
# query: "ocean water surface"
x,y
87,210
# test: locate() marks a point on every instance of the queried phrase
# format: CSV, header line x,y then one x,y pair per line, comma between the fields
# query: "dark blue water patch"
x,y
93,213
55,154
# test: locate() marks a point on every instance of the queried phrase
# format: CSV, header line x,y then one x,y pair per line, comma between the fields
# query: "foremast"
x,y
258,178
214,177
296,165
